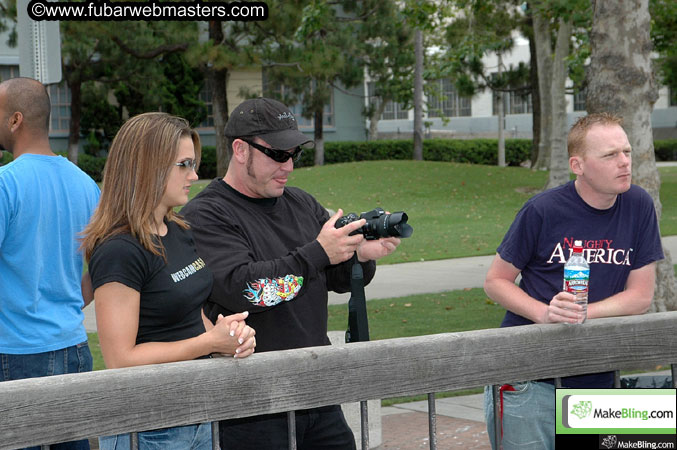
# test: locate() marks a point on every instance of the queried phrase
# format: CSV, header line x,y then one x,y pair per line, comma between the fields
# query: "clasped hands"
x,y
233,336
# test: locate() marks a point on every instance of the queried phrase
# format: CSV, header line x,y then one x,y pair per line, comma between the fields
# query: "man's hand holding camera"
x,y
373,250
378,232
338,243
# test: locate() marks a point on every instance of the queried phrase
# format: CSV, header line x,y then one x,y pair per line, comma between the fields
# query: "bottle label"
x,y
576,280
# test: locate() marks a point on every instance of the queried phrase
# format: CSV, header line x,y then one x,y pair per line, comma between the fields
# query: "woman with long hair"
x,y
149,282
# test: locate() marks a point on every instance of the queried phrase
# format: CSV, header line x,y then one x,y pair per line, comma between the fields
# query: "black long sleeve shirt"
x,y
266,259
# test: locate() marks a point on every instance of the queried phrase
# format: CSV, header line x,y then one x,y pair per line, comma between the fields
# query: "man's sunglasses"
x,y
280,156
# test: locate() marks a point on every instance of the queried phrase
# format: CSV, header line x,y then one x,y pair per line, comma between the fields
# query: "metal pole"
x,y
216,443
432,421
497,416
364,424
558,383
291,427
617,379
134,441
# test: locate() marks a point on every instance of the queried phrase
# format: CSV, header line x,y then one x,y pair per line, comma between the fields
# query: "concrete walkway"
x,y
401,280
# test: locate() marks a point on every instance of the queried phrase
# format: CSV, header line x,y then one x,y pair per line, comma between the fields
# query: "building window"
x,y
672,99
391,110
446,102
579,101
513,103
7,72
283,93
206,97
59,96
60,117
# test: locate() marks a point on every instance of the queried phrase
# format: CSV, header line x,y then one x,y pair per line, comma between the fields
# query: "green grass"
x,y
418,315
95,348
668,200
456,210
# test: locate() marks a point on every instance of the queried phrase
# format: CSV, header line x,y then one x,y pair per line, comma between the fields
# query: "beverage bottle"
x,y
576,277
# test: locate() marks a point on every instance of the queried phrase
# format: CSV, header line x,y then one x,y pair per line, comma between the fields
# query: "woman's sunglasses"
x,y
280,156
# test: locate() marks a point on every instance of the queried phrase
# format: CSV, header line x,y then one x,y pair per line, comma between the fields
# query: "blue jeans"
x,y
73,359
528,416
189,437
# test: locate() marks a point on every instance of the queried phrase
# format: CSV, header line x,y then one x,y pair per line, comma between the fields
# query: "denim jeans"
x,y
73,359
189,437
528,416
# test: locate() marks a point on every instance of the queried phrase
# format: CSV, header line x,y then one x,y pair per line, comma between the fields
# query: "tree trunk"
x,y
75,86
219,82
319,137
418,97
501,118
559,158
535,99
620,81
544,56
373,120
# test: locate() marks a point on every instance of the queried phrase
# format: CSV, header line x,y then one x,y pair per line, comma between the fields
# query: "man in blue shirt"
x,y
617,223
45,201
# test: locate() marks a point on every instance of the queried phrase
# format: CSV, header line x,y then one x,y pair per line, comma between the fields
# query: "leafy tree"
x,y
95,52
664,36
559,19
323,54
423,15
621,81
481,28
389,60
231,46
100,119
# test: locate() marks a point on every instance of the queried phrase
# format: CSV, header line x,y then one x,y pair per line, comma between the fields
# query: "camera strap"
x,y
358,324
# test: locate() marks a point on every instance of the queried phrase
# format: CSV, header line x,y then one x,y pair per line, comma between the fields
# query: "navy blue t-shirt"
x,y
617,240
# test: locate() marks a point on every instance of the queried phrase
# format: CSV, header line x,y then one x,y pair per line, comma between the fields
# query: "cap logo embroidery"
x,y
285,115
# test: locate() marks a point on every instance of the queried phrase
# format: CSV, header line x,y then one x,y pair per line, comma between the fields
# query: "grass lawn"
x,y
456,210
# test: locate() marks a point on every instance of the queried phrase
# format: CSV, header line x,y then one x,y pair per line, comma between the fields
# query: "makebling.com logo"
x,y
610,441
582,409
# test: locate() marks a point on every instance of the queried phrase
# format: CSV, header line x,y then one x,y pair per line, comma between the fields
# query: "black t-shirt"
x,y
172,293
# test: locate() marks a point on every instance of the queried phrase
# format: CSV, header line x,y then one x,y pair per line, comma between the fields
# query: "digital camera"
x,y
379,224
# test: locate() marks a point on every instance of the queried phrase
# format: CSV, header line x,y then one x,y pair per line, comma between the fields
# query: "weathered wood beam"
x,y
67,407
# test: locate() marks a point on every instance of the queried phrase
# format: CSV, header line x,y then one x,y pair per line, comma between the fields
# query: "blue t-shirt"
x,y
45,202
617,240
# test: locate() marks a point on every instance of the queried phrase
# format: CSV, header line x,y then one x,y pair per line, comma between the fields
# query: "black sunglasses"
x,y
280,156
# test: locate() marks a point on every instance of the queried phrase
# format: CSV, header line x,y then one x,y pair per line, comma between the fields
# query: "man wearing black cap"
x,y
275,252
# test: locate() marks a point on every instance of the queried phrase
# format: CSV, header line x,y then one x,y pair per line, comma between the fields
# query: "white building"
x,y
477,116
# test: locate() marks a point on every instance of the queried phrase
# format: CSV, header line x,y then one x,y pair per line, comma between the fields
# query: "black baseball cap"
x,y
268,119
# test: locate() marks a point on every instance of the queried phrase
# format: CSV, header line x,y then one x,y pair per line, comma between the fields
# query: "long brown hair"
x,y
140,159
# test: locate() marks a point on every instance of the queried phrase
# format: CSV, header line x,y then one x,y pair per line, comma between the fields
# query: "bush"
x,y
207,169
666,150
6,158
92,165
473,151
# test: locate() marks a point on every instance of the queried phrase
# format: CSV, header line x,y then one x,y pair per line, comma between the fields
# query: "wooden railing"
x,y
67,407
